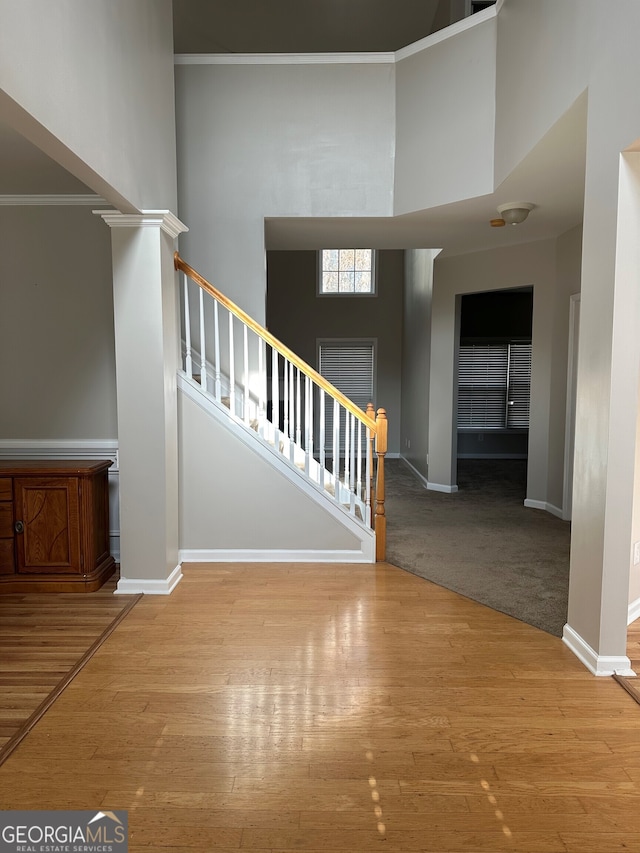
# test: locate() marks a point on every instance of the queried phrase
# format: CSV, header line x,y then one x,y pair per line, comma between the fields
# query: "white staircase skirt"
x,y
243,500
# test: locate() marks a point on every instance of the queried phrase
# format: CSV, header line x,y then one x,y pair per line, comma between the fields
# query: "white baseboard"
x,y
154,586
634,611
597,664
440,487
492,455
415,472
546,506
249,555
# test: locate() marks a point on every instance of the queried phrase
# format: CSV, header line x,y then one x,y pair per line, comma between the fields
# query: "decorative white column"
x,y
146,319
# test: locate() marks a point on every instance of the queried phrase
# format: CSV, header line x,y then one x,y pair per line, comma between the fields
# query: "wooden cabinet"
x,y
54,526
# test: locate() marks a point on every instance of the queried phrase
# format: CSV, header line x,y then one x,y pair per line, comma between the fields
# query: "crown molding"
x,y
284,58
59,200
163,219
448,32
381,58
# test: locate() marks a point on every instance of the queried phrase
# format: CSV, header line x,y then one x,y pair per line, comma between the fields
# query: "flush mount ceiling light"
x,y
513,212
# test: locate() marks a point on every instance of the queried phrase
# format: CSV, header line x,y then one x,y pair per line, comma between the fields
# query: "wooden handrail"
x,y
266,336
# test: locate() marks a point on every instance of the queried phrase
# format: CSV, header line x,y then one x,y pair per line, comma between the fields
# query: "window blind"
x,y
348,365
493,386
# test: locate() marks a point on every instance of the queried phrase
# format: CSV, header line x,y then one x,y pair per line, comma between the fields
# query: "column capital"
x,y
163,219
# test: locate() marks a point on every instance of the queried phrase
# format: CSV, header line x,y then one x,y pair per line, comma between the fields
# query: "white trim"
x,y
46,448
546,506
597,664
492,456
448,32
60,200
441,487
249,437
378,58
634,611
162,219
275,555
155,586
98,448
415,472
392,456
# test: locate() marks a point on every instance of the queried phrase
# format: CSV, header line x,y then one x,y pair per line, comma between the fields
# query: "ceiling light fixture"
x,y
514,212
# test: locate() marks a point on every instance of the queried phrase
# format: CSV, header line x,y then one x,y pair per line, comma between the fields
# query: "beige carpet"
x,y
481,541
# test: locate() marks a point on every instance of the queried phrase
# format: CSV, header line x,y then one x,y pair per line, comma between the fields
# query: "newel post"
x,y
380,517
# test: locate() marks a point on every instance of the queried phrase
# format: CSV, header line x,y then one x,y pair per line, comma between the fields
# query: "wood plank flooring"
x,y
336,708
42,638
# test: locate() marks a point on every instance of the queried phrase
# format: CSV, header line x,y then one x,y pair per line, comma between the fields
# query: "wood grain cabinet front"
x,y
54,526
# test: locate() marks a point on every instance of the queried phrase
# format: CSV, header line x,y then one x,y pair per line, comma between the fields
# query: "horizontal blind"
x,y
519,386
482,385
349,366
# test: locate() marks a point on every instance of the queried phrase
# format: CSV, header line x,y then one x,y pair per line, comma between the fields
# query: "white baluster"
x,y
203,348
352,478
311,391
262,382
275,398
285,379
359,462
292,415
298,405
245,353
347,425
232,369
216,341
321,438
336,446
353,462
188,361
308,425
367,482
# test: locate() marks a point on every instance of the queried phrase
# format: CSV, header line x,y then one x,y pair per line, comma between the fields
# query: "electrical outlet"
x,y
636,553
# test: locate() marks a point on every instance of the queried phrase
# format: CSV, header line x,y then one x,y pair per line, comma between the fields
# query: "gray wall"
x,y
56,325
416,357
516,266
298,317
568,272
445,121
232,499
87,82
276,140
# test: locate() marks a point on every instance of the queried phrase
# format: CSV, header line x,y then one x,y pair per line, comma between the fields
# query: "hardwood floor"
x,y
336,708
43,637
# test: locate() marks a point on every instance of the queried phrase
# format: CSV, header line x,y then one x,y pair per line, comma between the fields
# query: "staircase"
x,y
240,373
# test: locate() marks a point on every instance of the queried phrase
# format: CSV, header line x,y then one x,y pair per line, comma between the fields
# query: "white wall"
x,y
232,499
56,325
416,357
445,113
568,264
276,140
92,85
529,264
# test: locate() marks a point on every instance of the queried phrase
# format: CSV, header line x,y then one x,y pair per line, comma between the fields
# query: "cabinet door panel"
x,y
6,520
7,566
6,490
49,510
